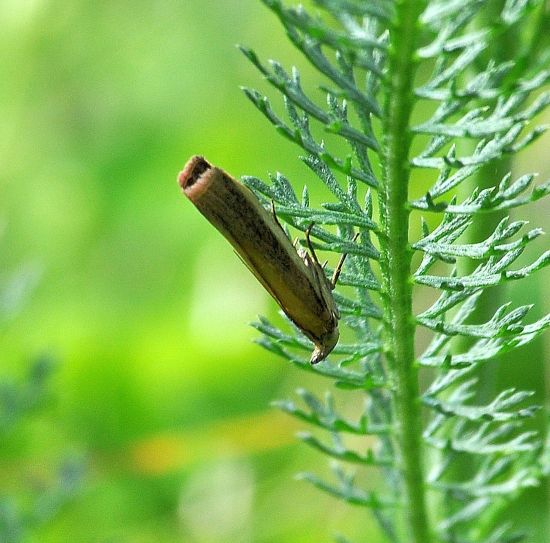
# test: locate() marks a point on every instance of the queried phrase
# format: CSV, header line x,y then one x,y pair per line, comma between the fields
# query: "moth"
x,y
294,278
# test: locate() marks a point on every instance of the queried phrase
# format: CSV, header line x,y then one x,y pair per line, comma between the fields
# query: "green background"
x,y
142,302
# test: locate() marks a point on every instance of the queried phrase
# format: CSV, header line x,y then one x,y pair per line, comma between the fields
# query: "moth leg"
x,y
340,265
275,216
310,245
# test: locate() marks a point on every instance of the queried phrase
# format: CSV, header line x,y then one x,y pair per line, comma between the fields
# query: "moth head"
x,y
324,345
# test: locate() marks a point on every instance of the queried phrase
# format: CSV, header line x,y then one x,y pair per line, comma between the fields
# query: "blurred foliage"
x,y
29,497
101,104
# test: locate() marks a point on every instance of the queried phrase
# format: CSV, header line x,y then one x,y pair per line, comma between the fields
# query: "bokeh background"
x,y
156,387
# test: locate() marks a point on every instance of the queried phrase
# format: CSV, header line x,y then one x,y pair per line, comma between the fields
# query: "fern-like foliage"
x,y
423,94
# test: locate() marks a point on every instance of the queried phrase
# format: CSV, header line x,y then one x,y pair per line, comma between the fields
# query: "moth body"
x,y
295,279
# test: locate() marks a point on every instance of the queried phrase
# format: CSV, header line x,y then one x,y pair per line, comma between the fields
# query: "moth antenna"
x,y
340,265
309,244
275,216
324,264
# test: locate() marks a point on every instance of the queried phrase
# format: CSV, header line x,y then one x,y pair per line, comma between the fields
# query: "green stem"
x,y
396,268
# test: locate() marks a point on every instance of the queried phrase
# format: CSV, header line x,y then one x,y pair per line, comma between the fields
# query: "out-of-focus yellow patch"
x,y
253,433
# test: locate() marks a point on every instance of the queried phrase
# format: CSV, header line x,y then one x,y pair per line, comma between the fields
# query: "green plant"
x,y
415,87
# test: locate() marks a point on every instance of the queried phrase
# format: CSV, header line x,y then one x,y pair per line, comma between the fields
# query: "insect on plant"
x,y
294,278
424,105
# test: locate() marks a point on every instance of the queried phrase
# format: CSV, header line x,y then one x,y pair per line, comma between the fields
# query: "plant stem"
x,y
396,268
